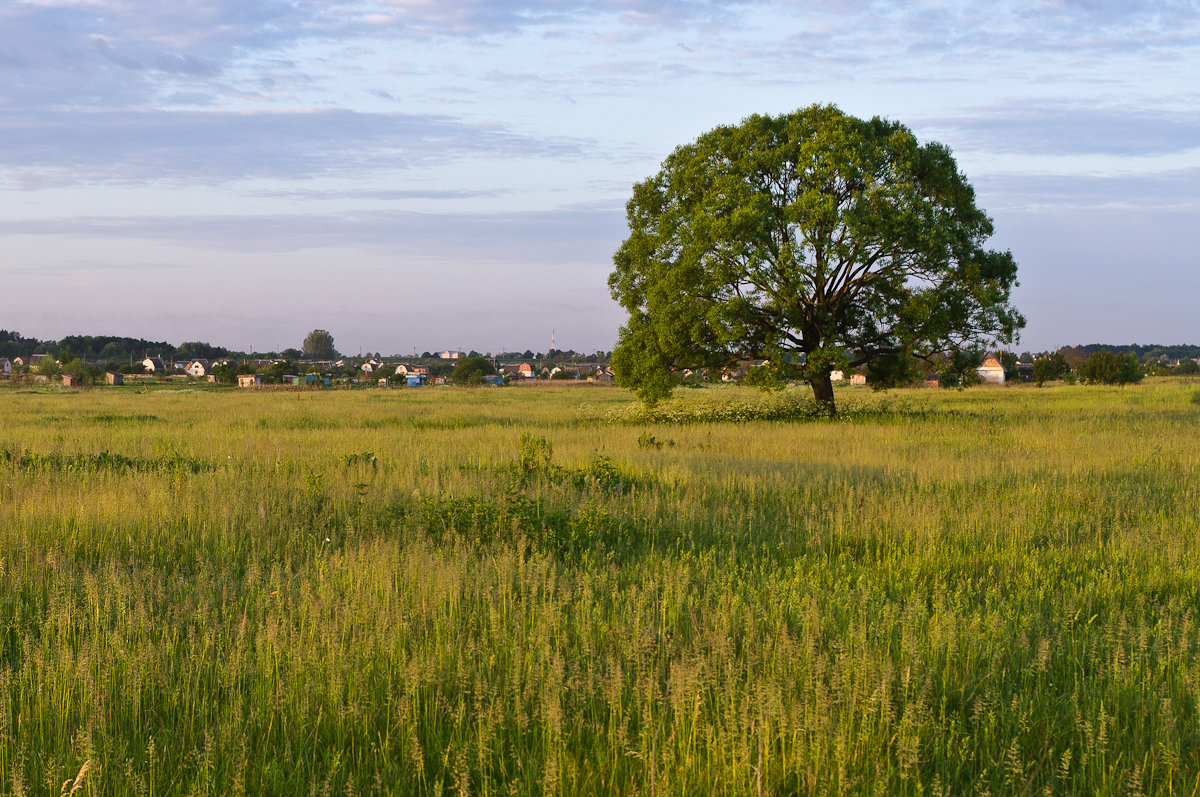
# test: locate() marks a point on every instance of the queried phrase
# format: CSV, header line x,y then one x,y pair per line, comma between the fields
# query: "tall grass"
x,y
503,592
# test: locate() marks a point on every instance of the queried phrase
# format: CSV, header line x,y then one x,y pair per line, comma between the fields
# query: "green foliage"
x,y
227,373
647,440
897,369
1106,368
470,371
535,454
1049,367
318,345
1009,361
815,233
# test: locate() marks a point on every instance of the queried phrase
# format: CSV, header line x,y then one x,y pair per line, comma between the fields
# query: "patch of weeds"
x,y
647,440
534,454
517,518
534,461
104,461
362,458
113,418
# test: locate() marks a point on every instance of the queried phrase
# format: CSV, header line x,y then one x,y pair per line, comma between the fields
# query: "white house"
x,y
198,367
152,364
991,371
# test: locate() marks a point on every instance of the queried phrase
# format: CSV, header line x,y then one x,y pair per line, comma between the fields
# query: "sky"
x,y
430,174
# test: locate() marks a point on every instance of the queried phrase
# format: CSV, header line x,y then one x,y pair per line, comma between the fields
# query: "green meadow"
x,y
547,591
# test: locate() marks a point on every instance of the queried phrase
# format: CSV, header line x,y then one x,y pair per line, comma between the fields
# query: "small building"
x,y
933,380
70,380
249,380
198,367
451,355
837,376
114,378
211,379
415,380
5,368
991,371
293,380
858,379
494,379
383,381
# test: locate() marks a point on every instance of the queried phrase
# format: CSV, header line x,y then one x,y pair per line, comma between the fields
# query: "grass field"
x,y
510,591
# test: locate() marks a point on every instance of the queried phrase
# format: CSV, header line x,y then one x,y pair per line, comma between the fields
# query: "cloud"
x,y
577,234
212,147
1173,190
1038,127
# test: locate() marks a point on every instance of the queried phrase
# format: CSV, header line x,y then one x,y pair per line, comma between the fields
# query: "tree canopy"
x,y
815,239
471,370
318,345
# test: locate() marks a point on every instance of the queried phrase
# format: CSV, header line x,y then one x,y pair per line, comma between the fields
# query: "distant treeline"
x,y
106,348
1150,353
114,349
111,348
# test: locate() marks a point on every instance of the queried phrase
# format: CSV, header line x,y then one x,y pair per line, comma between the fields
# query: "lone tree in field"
x,y
318,345
815,239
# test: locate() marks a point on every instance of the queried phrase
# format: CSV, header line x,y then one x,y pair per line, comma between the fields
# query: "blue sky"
x,y
452,173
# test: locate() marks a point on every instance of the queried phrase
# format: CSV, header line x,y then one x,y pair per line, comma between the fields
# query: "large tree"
x,y
815,239
318,345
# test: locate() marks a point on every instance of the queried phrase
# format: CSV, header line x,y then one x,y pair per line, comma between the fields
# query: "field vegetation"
x,y
504,591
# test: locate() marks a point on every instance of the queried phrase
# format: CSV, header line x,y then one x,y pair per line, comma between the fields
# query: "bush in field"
x,y
1049,368
1106,368
471,371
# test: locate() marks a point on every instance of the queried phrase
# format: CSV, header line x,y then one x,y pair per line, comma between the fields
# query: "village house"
x,y
152,364
198,367
991,371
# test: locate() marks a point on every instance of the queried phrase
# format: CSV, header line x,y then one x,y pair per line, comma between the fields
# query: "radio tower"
x,y
552,341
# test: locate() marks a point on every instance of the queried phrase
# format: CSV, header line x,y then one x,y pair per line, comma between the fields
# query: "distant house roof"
x,y
991,370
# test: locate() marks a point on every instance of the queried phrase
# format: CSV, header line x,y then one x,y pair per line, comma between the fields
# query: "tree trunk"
x,y
822,387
